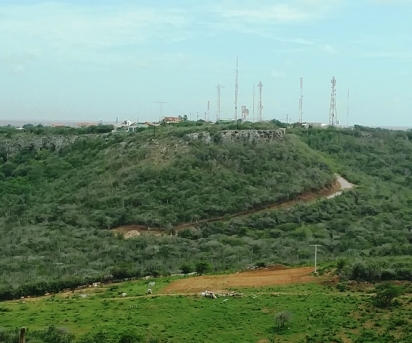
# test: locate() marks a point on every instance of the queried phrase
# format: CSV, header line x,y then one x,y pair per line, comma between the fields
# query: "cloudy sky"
x,y
98,60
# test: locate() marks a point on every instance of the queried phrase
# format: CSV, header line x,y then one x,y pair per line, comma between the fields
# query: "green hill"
x,y
112,180
59,196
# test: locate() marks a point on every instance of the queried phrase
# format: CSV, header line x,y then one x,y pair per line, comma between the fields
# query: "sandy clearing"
x,y
255,278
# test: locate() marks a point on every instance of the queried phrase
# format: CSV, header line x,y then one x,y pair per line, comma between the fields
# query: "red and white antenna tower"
x,y
333,115
260,106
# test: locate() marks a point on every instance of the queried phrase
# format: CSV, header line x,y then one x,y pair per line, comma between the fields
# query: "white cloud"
x,y
76,32
265,12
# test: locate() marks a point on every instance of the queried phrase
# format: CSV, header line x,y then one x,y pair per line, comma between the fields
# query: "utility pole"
x,y
208,111
161,109
316,255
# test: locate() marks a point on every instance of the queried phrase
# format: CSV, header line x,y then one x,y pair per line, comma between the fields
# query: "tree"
x,y
186,268
282,318
386,293
202,267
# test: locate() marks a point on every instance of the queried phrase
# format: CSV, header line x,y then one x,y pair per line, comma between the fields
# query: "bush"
x,y
386,293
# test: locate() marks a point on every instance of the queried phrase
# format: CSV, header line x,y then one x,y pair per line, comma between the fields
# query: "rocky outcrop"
x,y
239,136
55,143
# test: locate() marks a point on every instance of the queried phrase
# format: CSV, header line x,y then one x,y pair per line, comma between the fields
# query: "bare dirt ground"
x,y
137,230
275,275
335,190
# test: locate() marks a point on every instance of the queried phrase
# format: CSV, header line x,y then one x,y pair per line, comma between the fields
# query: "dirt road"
x,y
335,190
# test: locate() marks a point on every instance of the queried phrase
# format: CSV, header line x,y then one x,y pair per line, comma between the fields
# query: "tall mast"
x,y
236,86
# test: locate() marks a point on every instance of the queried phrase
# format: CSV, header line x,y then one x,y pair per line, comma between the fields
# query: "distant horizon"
x,y
73,123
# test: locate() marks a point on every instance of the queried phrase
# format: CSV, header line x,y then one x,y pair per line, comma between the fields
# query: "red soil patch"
x,y
274,275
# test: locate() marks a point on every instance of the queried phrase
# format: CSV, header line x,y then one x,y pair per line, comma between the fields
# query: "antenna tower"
x,y
161,109
236,86
208,110
219,86
260,106
333,115
347,111
301,101
253,110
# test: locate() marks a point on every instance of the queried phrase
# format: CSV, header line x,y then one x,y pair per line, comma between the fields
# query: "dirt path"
x,y
255,278
335,190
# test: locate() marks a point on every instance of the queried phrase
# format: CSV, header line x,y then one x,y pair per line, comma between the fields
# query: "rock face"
x,y
11,146
239,136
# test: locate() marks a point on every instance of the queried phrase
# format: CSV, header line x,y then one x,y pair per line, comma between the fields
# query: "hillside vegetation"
x,y
112,180
57,205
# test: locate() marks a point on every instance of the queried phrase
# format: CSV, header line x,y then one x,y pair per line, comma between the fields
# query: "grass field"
x,y
319,314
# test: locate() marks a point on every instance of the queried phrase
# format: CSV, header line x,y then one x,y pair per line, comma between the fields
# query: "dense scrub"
x,y
116,180
54,205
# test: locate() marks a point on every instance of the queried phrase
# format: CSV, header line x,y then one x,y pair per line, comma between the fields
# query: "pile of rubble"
x,y
213,295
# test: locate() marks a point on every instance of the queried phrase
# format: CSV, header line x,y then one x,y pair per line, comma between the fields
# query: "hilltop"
x,y
60,202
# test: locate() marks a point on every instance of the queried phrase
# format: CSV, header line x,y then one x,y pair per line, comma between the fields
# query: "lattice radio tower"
x,y
301,101
236,86
333,115
219,86
260,106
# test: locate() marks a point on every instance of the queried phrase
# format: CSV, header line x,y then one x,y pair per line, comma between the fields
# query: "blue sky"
x,y
98,60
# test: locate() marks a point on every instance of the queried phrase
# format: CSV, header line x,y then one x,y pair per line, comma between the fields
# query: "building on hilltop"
x,y
172,120
308,125
129,126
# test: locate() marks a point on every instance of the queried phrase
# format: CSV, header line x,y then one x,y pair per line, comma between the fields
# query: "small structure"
x,y
129,126
172,120
151,284
308,125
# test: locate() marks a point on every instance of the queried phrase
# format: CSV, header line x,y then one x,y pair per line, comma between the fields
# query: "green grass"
x,y
317,311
